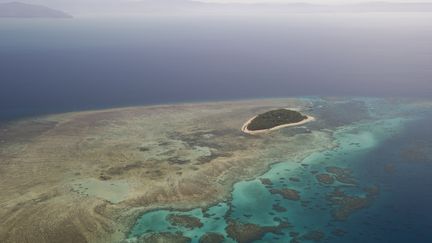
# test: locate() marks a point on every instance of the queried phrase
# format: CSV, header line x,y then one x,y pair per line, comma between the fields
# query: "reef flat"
x,y
86,176
187,173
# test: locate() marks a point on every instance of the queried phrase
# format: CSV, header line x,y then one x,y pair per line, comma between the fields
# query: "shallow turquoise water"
x,y
357,148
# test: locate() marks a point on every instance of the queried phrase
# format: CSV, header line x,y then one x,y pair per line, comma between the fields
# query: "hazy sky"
x,y
103,2
77,7
310,1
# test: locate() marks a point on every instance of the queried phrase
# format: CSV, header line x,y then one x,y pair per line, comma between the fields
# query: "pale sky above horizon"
x,y
313,1
76,6
68,2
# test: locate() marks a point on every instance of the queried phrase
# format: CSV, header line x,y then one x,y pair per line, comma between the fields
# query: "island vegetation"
x,y
275,119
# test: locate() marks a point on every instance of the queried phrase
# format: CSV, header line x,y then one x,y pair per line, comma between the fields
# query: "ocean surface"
x,y
384,196
50,66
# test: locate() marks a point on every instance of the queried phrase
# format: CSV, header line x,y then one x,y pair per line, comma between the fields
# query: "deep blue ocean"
x,y
403,214
49,66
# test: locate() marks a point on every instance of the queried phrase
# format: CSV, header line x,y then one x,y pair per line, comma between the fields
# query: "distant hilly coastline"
x,y
24,10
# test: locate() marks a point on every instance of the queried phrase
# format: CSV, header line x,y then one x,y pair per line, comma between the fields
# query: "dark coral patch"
x,y
349,204
243,233
165,237
325,178
278,208
313,235
266,182
184,221
211,237
342,175
287,193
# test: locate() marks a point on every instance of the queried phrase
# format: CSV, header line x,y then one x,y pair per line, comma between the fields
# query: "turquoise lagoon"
x,y
370,151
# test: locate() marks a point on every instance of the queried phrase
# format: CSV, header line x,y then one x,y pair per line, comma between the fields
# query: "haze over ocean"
x,y
51,66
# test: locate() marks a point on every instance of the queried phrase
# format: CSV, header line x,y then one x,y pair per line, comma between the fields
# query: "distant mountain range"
x,y
24,10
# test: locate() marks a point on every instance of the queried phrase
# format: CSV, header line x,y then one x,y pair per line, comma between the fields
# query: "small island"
x,y
275,119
